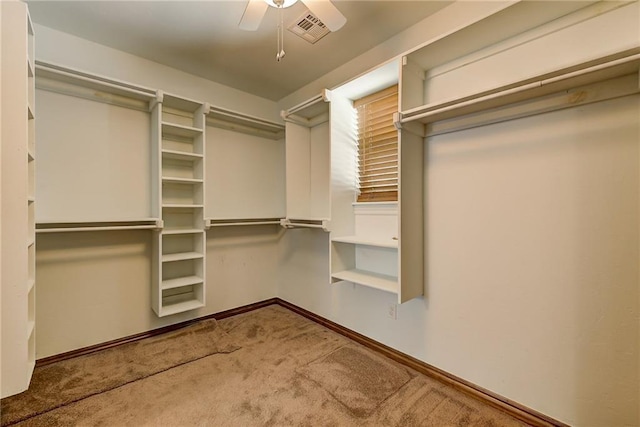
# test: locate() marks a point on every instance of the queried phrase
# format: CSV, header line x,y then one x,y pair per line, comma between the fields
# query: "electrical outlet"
x,y
392,311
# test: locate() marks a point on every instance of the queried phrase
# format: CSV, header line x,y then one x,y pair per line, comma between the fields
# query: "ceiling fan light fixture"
x,y
280,4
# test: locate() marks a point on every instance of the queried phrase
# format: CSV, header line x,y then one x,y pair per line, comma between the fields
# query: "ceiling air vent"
x,y
309,27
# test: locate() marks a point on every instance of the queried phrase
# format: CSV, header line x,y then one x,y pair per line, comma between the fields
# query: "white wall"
x,y
532,251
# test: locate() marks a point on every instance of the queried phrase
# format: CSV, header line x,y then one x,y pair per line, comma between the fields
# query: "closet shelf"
x,y
166,232
179,307
358,240
238,122
182,131
560,80
55,78
182,256
181,206
181,155
369,279
174,180
180,282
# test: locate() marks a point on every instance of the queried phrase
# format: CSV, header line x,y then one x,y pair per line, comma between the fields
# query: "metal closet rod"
x,y
80,226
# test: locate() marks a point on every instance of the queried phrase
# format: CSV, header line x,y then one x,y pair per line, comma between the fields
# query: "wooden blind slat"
x,y
377,146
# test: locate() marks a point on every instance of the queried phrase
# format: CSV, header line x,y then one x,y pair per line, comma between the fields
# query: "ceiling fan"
x,y
323,9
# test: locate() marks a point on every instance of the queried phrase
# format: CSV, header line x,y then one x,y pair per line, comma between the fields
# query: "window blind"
x,y
377,146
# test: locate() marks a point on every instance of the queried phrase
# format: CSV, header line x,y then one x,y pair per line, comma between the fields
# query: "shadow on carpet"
x,y
68,381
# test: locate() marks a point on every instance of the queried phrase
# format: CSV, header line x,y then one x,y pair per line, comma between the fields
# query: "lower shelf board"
x,y
181,281
370,279
179,307
181,256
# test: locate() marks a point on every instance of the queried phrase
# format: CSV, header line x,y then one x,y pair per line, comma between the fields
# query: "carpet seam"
x,y
116,387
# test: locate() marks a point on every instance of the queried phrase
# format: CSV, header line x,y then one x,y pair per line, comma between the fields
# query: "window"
x,y
377,146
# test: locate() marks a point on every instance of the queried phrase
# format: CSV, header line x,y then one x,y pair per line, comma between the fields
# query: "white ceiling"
x,y
202,37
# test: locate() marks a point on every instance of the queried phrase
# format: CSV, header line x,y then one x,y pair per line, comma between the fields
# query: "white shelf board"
x,y
173,129
181,281
168,310
358,240
181,206
31,241
181,155
370,279
181,256
30,284
174,180
166,232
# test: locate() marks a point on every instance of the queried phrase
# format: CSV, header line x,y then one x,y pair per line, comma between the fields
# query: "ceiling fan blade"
x,y
253,14
327,13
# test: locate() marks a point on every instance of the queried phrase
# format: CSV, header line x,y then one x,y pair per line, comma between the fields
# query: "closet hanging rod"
x,y
300,223
241,222
62,227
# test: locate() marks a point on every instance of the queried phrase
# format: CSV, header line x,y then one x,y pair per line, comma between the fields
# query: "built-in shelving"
x,y
178,134
18,238
377,245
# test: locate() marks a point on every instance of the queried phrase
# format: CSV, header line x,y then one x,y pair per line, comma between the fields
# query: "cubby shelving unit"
x,y
378,245
308,153
18,246
178,135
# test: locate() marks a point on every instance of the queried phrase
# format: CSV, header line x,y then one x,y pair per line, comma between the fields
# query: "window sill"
x,y
375,208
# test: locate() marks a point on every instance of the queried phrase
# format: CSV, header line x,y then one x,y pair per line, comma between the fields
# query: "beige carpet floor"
x,y
277,369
